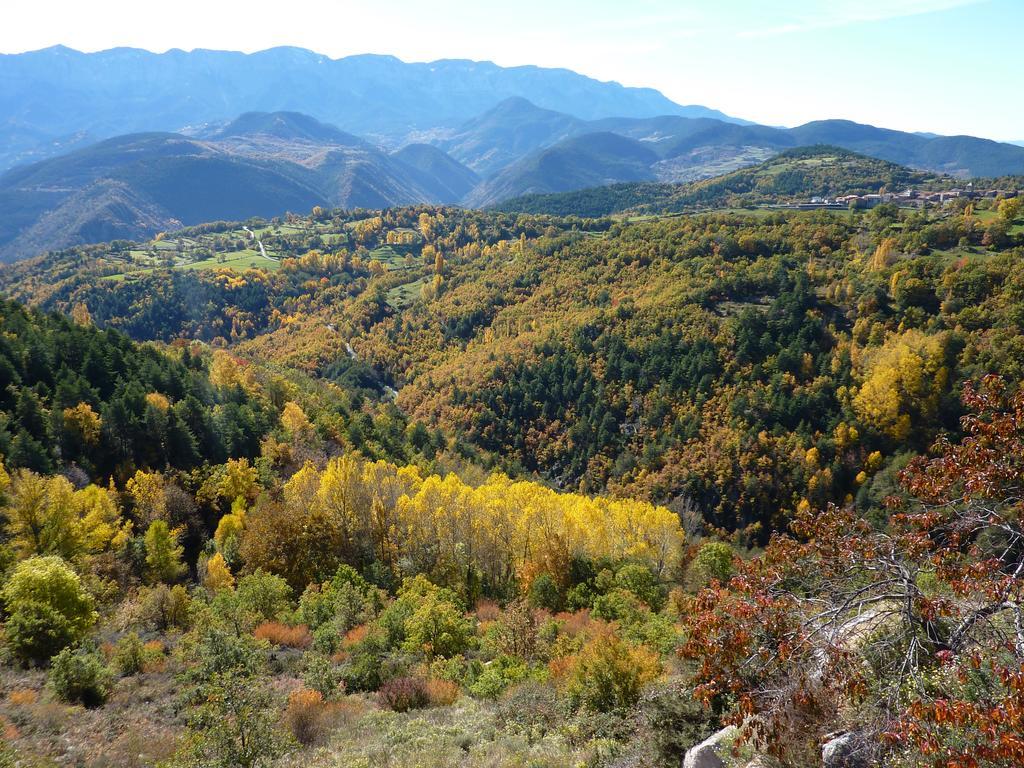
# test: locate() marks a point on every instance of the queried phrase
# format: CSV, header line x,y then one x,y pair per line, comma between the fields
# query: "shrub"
x,y
714,562
657,632
404,693
80,677
609,674
129,655
673,721
322,676
305,716
316,606
544,593
579,597
437,628
442,693
515,631
165,607
154,656
641,582
265,595
488,685
48,608
235,725
620,605
364,670
497,676
530,707
276,633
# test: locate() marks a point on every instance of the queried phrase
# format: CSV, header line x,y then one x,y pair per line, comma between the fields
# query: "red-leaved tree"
x,y
910,636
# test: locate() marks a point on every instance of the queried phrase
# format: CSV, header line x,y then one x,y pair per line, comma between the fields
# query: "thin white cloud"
x,y
842,14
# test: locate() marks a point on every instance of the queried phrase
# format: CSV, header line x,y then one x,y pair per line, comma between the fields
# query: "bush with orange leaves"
x,y
308,716
284,635
355,636
23,697
442,693
487,610
404,693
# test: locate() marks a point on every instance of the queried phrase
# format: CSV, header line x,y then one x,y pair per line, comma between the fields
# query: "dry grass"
x,y
311,719
23,697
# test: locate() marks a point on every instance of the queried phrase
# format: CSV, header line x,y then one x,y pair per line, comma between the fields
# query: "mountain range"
x,y
58,99
673,149
360,132
262,164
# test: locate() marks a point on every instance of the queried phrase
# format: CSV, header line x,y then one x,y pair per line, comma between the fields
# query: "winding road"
x,y
263,251
389,391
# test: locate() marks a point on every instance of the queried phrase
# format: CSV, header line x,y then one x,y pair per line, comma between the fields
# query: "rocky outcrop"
x,y
847,750
706,754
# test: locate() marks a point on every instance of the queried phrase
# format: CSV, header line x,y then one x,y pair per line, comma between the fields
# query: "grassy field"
x,y
241,260
221,250
403,295
392,256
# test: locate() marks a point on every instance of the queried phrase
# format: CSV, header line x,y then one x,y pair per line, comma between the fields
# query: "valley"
x,y
360,412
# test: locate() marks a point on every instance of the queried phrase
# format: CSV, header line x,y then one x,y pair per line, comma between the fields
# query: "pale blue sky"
x,y
948,66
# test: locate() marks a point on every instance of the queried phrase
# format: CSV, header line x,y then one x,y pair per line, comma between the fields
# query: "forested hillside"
x,y
737,364
814,171
77,396
496,486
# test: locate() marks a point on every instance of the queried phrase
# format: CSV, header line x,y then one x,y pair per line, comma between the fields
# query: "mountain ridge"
x,y
691,149
130,90
263,164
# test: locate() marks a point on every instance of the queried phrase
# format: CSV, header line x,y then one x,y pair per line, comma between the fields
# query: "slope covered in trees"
x,y
74,395
814,171
738,366
505,467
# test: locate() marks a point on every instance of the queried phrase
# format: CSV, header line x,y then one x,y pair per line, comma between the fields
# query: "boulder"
x,y
705,754
847,750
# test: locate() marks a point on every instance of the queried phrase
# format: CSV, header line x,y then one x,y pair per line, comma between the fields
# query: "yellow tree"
x,y
40,516
1011,207
47,516
163,553
884,255
903,380
80,314
218,576
84,423
295,421
148,492
343,494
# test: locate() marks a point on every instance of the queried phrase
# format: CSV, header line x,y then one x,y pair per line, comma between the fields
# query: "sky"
x,y
944,66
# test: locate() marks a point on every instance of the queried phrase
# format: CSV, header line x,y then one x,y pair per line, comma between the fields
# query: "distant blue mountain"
x,y
58,99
